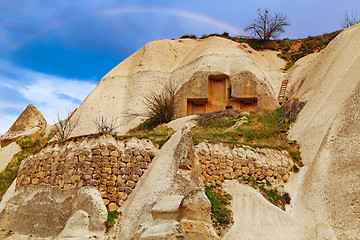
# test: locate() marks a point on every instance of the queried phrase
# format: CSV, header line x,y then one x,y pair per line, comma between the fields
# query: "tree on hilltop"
x,y
350,19
268,25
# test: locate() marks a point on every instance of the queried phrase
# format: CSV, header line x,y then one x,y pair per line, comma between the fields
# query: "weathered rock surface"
x,y
257,219
168,199
8,195
45,211
7,153
29,122
178,61
326,192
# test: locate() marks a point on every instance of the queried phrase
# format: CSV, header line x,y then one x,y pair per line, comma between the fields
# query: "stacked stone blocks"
x,y
220,162
113,167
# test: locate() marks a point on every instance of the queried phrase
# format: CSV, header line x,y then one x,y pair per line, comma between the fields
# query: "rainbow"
x,y
136,10
179,13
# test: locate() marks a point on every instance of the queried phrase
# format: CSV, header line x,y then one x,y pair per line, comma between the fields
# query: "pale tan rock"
x,y
44,212
254,217
328,132
123,87
197,230
28,123
161,179
77,227
7,153
112,207
168,208
245,170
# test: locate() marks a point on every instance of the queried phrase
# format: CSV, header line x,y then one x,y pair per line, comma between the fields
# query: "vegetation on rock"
x,y
290,50
29,145
112,216
158,135
105,125
221,215
257,129
272,195
161,107
268,25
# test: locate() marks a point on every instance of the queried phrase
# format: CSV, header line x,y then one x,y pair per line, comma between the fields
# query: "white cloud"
x,y
50,94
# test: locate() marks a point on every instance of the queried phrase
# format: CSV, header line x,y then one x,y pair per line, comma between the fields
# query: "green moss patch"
x,y
29,145
271,194
112,216
221,215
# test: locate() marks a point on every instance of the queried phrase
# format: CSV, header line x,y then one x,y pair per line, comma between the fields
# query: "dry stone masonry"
x,y
219,162
113,167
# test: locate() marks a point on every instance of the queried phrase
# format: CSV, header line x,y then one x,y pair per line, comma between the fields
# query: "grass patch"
x,y
256,129
112,216
29,146
290,50
221,215
158,135
272,195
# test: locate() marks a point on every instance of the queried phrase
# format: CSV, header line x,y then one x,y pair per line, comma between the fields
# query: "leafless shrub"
x,y
267,26
65,127
204,117
161,106
350,19
104,125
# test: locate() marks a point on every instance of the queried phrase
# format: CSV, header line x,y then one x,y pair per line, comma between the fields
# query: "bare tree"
x,y
161,106
267,26
65,127
350,19
104,125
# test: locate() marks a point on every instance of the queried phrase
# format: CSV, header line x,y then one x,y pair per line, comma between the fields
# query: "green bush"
x,y
221,215
29,146
160,107
112,216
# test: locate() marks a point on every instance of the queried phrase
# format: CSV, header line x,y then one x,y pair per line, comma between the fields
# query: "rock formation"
x,y
221,74
29,122
44,211
7,153
64,190
328,188
169,202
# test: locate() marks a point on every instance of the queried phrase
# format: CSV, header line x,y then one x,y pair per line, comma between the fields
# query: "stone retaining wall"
x,y
219,162
113,167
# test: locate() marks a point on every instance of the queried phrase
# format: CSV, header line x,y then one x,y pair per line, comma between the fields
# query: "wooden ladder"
x,y
282,91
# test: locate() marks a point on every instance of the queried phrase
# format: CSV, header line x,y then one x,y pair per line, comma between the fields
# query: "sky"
x,y
54,52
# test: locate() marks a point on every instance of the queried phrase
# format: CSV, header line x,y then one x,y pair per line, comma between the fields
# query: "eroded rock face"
x,y
7,153
29,122
327,190
169,201
188,64
44,211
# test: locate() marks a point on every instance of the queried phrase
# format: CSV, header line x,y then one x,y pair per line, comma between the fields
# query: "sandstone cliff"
x,y
328,188
176,61
161,191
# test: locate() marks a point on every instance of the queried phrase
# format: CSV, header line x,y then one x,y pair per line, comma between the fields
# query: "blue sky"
x,y
54,52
